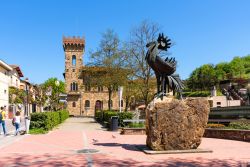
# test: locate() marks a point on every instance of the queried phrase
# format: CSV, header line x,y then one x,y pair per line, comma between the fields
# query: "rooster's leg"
x,y
158,83
163,84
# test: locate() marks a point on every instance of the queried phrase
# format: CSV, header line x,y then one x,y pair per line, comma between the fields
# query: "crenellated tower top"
x,y
73,43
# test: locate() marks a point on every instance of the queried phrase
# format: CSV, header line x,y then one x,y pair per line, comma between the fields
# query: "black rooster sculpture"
x,y
164,69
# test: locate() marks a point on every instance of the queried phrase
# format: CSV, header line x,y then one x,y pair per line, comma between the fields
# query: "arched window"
x,y
87,88
74,86
98,105
87,103
74,104
100,88
74,60
121,103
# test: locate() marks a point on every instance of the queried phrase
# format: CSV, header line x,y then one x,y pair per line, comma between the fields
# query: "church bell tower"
x,y
74,49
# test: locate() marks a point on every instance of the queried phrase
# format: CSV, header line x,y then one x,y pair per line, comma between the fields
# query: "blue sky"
x,y
207,31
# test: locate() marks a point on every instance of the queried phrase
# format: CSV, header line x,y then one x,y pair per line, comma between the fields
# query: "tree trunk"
x,y
110,94
127,104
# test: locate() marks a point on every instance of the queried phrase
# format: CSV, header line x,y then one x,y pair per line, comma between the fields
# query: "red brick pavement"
x,y
59,148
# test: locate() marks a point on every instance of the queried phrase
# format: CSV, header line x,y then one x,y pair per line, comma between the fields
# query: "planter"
x,y
231,134
133,131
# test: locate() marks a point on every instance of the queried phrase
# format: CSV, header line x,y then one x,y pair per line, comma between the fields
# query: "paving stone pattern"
x,y
61,146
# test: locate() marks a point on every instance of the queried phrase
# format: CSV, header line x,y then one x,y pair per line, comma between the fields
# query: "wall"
x,y
223,102
14,80
241,135
93,96
4,87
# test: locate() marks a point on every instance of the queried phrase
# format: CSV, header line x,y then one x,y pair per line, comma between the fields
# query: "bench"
x,y
134,120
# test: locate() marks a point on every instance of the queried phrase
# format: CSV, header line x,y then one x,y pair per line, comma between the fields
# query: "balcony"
x,y
74,93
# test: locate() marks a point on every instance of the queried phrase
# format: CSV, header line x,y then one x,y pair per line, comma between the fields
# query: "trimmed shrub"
x,y
240,124
196,94
63,115
47,120
98,115
124,115
121,116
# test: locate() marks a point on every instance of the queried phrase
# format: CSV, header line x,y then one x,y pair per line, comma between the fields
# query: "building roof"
x,y
17,68
5,65
26,81
73,43
73,40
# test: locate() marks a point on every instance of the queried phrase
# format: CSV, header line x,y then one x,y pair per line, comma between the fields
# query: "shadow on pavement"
x,y
131,147
170,162
104,160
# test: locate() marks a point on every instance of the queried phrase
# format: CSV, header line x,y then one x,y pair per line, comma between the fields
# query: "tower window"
x,y
74,86
74,104
74,60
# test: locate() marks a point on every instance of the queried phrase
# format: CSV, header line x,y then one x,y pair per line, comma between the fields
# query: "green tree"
x,y
246,60
136,50
223,71
237,67
111,57
53,87
40,95
203,78
17,96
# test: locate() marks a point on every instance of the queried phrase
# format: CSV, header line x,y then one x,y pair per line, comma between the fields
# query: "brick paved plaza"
x,y
60,148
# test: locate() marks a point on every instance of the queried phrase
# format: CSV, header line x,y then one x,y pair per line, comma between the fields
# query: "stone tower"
x,y
74,49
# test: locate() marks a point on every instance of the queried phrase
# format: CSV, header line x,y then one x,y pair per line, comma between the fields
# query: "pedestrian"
x,y
3,118
17,121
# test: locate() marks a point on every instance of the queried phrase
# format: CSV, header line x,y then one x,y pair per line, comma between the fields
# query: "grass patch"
x,y
243,124
38,131
136,125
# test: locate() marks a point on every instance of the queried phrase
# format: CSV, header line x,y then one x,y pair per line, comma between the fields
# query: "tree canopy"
x,y
208,75
53,87
110,58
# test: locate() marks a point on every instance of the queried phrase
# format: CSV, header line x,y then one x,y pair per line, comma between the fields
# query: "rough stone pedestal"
x,y
173,124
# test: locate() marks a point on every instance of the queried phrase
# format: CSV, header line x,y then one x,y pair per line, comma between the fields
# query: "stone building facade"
x,y
82,100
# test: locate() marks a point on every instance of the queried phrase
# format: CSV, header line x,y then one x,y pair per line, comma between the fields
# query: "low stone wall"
x,y
133,131
240,135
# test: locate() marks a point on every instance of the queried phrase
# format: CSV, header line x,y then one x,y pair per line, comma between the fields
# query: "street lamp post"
x,y
27,119
120,89
57,83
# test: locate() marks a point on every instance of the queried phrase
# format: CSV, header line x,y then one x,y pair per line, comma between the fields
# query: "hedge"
x,y
47,120
105,116
196,94
199,93
240,124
